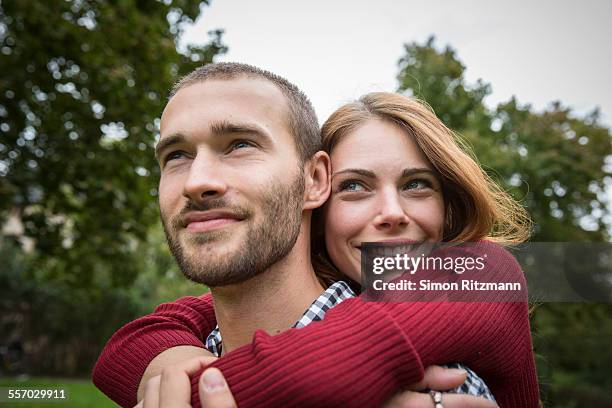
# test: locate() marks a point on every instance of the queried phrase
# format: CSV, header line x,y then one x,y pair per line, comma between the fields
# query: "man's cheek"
x,y
169,196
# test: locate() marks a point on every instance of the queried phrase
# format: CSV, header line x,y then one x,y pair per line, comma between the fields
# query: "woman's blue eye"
x,y
351,186
417,184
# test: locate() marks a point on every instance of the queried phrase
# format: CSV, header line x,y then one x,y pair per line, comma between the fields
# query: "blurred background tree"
x,y
555,163
83,85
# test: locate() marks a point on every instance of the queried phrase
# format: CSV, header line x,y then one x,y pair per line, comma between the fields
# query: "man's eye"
x,y
351,185
174,155
240,144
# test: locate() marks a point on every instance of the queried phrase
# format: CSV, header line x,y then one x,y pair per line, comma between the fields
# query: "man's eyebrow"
x,y
361,172
224,127
165,142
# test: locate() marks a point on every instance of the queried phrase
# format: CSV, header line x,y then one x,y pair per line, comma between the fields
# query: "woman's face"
x,y
383,190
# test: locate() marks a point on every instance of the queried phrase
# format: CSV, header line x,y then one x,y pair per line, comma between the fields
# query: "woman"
x,y
456,200
398,174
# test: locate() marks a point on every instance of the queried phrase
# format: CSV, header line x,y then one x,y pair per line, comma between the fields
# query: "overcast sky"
x,y
336,50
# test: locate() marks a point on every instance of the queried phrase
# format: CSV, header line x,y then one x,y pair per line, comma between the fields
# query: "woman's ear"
x,y
318,180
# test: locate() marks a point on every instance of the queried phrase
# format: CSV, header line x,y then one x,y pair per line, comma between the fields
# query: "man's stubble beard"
x,y
264,245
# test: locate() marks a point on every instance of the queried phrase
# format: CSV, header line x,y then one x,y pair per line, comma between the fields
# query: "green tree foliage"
x,y
437,78
557,163
63,328
554,162
83,83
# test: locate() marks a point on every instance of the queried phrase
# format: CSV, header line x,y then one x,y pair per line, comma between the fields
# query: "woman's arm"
x,y
360,354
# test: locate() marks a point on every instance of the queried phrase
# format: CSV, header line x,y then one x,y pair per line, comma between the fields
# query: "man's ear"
x,y
317,180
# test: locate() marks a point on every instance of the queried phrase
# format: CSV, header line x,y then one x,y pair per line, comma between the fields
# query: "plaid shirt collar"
x,y
332,297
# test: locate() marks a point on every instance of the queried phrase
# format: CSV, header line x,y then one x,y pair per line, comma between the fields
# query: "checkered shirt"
x,y
333,296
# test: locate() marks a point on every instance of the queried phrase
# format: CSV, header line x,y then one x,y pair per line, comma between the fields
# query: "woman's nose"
x,y
391,215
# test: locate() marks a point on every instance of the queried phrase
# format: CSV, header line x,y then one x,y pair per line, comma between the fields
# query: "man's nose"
x,y
392,214
205,179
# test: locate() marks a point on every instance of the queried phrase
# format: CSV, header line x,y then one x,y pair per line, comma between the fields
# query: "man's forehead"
x,y
249,97
206,110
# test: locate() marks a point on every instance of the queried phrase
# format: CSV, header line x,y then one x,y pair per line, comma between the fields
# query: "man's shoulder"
x,y
196,302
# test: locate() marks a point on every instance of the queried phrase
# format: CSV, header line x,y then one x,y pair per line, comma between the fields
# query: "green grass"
x,y
80,393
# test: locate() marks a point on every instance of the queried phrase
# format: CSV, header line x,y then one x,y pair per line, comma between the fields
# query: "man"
x,y
241,172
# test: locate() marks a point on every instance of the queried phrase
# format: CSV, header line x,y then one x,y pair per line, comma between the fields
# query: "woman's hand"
x,y
438,378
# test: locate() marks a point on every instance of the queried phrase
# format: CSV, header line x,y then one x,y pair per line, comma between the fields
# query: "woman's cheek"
x,y
431,217
345,220
437,218
344,223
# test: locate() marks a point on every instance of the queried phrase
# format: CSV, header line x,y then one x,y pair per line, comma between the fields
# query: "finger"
x,y
214,391
412,399
464,401
140,404
175,387
440,378
151,393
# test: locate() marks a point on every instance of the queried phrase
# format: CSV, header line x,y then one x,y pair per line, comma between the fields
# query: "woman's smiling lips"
x,y
208,220
395,241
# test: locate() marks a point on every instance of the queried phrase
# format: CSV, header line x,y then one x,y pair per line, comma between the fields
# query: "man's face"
x,y
231,188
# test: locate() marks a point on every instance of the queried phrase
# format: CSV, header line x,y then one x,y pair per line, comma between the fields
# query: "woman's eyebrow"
x,y
416,170
361,172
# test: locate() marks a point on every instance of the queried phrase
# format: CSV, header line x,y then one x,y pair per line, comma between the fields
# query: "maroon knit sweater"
x,y
358,356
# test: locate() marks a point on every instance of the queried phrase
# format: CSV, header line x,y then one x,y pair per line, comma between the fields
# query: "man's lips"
x,y
209,220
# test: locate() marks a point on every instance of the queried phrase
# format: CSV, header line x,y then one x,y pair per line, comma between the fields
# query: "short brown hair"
x,y
302,119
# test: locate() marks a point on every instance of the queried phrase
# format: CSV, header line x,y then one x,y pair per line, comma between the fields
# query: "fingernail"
x,y
458,371
212,380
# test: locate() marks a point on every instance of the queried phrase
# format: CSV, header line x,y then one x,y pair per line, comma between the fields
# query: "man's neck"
x,y
272,301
